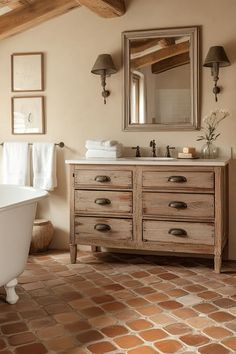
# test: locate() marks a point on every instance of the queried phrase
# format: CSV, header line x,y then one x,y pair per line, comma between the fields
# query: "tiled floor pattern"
x,y
114,303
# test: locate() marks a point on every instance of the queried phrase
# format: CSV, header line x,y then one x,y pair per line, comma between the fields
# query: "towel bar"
x,y
61,144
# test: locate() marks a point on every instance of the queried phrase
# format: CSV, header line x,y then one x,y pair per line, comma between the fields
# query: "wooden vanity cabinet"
x,y
178,209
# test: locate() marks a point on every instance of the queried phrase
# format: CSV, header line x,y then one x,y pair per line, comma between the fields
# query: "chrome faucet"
x,y
153,146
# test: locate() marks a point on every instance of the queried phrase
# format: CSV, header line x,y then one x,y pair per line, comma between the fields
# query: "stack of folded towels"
x,y
103,148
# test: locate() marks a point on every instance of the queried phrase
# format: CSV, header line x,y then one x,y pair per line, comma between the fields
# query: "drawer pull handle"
x,y
102,179
102,201
177,179
102,227
177,232
178,205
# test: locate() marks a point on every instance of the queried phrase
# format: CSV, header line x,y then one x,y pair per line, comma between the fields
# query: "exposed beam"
x,y
12,4
105,8
142,45
170,63
27,2
166,42
33,14
160,54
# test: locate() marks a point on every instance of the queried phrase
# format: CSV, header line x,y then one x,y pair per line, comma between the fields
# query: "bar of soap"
x,y
183,155
189,150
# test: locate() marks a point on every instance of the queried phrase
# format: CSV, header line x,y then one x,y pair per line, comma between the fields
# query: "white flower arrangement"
x,y
211,123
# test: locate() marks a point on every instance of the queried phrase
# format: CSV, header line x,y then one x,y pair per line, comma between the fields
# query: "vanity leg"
x,y
226,252
218,262
95,249
73,253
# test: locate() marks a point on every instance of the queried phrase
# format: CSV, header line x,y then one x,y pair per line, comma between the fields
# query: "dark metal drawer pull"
x,y
102,201
177,232
178,205
102,227
177,179
102,179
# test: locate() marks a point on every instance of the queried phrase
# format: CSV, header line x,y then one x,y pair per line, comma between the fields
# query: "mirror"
x,y
161,79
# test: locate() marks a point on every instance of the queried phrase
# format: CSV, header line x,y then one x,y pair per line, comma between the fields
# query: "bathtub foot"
x,y
12,297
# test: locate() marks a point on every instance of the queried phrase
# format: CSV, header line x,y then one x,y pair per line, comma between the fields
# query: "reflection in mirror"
x,y
161,79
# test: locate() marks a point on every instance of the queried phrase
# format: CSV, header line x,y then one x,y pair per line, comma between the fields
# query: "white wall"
x,y
74,106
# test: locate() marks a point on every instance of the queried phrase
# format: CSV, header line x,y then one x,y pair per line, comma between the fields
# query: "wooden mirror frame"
x,y
193,33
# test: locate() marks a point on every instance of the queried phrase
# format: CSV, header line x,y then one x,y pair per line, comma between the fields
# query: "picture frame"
x,y
27,72
28,115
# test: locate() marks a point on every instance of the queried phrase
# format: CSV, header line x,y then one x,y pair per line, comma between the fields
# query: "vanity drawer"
x,y
103,178
178,205
103,202
178,232
178,180
103,228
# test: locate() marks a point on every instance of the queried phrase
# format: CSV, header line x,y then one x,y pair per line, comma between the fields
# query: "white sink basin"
x,y
151,158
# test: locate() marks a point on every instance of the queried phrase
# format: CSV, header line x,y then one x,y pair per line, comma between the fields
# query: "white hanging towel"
x,y
16,163
44,166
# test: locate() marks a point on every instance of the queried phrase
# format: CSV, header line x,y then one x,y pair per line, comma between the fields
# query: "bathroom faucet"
x,y
168,148
153,146
138,152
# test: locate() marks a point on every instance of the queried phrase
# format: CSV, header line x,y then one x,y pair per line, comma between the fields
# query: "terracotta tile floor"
x,y
120,303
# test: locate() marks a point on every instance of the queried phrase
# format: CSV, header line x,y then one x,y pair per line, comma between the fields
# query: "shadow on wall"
x,y
232,209
128,4
230,49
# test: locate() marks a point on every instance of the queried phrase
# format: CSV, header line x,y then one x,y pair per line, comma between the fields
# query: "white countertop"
x,y
148,161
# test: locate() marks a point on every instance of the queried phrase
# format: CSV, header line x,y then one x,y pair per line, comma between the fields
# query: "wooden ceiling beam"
x,y
166,42
142,45
170,63
105,8
160,54
35,13
27,2
12,4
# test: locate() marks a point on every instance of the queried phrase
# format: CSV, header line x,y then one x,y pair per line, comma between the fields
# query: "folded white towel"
x,y
106,148
103,153
16,163
44,166
98,144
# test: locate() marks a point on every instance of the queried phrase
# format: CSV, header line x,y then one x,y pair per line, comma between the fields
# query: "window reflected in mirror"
x,y
161,79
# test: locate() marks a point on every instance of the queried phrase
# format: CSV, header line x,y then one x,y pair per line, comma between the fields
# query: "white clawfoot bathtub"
x,y
17,213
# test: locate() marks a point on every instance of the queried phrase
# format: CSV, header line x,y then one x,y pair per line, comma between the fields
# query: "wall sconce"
x,y
104,66
216,58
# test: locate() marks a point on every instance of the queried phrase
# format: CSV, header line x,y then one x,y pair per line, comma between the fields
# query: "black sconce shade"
x,y
216,58
104,62
216,54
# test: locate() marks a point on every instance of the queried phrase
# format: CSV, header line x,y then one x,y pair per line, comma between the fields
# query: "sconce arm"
x,y
215,74
105,93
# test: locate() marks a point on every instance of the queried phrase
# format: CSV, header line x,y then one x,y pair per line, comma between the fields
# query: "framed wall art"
x,y
27,72
28,115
